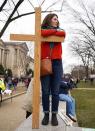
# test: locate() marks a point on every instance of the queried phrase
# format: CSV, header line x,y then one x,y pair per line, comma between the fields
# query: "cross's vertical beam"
x,y
36,86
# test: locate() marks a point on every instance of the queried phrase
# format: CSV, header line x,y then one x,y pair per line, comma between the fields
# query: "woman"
x,y
50,83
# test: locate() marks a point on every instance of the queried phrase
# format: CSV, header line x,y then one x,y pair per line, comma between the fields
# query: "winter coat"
x,y
45,46
27,105
2,85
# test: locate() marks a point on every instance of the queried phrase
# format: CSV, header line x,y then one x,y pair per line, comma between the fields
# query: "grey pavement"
x,y
11,113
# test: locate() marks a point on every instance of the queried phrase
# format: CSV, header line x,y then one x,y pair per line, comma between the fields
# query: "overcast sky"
x,y
26,25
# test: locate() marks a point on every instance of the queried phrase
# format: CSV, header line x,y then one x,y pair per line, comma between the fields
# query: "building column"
x,y
7,60
0,57
17,58
3,57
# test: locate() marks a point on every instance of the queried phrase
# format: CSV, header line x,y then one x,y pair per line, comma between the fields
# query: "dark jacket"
x,y
64,87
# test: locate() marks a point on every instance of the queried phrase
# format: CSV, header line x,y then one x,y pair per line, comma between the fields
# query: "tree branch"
x,y
9,19
42,2
14,6
3,4
31,4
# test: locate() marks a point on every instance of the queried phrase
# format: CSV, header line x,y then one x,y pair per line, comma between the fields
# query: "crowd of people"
x,y
10,83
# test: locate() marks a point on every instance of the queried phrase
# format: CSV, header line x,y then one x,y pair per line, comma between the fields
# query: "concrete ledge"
x,y
27,126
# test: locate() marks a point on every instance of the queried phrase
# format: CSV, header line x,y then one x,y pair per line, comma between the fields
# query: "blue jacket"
x,y
65,87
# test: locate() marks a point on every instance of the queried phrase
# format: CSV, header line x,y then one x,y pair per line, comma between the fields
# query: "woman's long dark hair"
x,y
47,20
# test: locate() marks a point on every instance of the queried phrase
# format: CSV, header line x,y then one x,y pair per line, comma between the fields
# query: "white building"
x,y
13,55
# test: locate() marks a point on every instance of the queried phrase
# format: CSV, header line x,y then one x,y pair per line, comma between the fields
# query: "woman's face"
x,y
54,21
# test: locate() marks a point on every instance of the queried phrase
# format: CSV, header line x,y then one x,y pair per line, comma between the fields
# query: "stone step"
x,y
65,124
27,124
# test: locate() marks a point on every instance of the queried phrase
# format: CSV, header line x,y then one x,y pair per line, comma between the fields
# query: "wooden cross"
x,y
37,38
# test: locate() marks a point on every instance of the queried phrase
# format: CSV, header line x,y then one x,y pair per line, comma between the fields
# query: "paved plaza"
x,y
11,113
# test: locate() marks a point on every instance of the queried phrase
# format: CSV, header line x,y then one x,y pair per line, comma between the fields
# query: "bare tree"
x,y
85,53
13,13
83,44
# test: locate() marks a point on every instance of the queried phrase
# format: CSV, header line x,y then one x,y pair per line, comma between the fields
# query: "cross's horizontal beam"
x,y
20,37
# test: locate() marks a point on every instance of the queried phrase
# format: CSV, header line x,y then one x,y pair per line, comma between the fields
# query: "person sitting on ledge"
x,y
64,95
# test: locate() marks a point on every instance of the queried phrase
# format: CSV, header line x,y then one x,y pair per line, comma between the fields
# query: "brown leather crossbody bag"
x,y
46,66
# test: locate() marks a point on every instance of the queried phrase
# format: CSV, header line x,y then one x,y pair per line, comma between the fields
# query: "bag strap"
x,y
51,48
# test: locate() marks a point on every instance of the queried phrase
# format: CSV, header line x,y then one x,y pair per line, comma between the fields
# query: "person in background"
x,y
27,104
64,95
2,88
2,85
15,82
27,81
50,83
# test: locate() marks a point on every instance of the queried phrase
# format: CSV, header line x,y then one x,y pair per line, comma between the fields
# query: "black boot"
x,y
45,120
54,120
